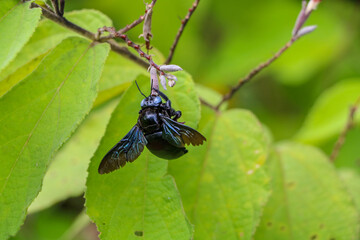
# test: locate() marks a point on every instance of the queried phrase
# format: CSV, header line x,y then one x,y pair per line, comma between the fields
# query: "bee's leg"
x,y
177,115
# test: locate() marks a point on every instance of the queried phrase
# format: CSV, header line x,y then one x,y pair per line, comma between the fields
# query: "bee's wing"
x,y
179,134
127,150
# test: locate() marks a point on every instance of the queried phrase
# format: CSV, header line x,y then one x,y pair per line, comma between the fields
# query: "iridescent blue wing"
x,y
127,150
179,135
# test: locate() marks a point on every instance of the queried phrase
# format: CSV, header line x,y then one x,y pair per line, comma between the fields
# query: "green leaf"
x,y
308,200
141,198
351,179
49,34
330,112
17,24
67,173
38,116
222,183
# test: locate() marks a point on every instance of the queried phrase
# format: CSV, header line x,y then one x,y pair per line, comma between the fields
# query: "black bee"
x,y
157,129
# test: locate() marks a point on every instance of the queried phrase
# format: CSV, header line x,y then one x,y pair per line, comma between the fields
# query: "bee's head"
x,y
151,101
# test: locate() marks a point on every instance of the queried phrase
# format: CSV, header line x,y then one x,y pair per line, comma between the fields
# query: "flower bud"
x,y
312,6
147,24
171,77
171,83
305,30
153,75
170,68
163,81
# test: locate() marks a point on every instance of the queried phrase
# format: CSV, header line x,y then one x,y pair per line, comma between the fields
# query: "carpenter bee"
x,y
157,128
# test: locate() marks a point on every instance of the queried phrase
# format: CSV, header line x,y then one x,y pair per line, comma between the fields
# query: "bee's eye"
x,y
143,103
157,100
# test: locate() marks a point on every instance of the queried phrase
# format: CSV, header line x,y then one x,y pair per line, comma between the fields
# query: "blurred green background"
x,y
223,41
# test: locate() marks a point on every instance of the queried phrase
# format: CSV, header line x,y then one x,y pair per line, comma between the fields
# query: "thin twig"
x,y
254,72
123,51
62,7
349,124
132,25
55,4
181,29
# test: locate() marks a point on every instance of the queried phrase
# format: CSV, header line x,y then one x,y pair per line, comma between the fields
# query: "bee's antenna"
x,y
163,96
139,89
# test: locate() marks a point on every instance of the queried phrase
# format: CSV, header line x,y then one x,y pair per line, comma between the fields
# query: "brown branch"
x,y
254,72
181,29
123,51
349,124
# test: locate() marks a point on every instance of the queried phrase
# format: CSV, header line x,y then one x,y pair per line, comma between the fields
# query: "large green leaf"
x,y
67,173
330,112
17,24
308,200
38,115
141,198
47,35
223,184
